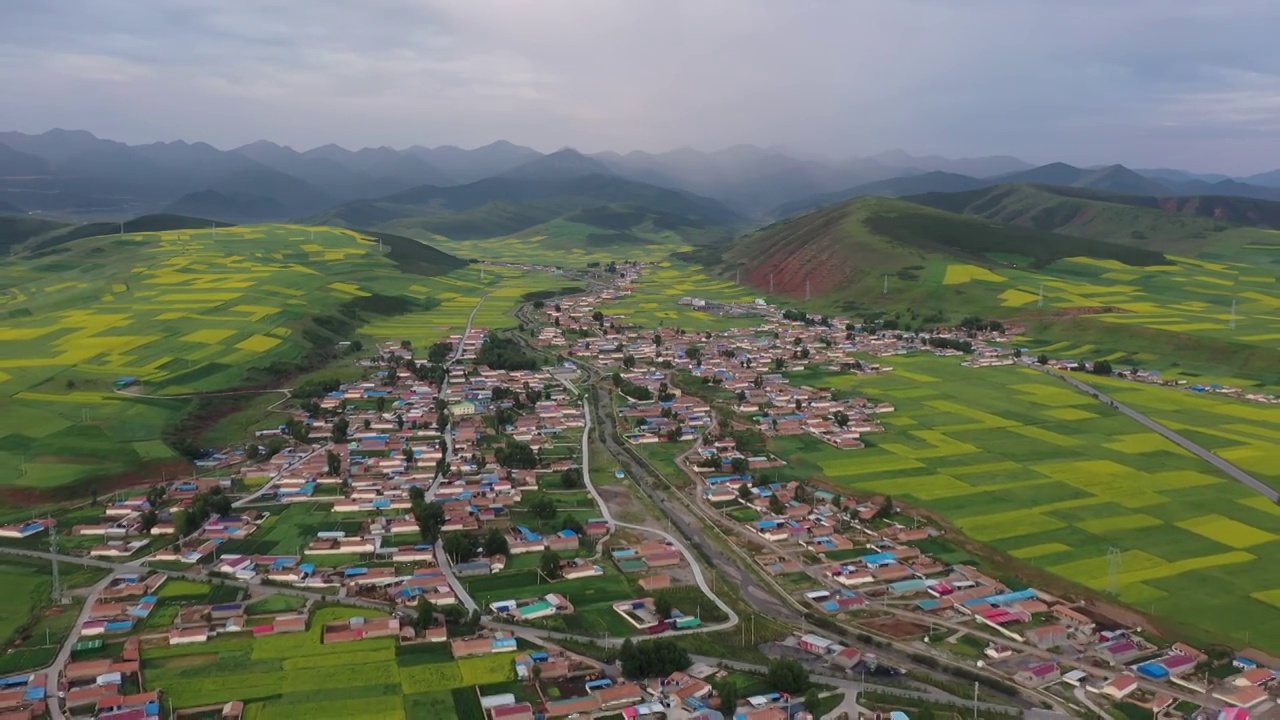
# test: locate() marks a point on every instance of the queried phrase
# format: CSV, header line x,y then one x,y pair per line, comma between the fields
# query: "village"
x,y
448,495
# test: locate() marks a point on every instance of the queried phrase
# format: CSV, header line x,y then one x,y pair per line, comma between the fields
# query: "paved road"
x,y
458,588
1226,467
854,686
688,556
436,481
64,653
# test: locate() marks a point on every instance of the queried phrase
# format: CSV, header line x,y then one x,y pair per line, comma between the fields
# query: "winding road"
x,y
1226,467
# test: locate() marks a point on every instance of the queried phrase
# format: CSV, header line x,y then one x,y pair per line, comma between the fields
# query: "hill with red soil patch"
x,y
845,250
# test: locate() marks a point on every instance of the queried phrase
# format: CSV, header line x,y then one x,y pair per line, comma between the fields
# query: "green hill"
x,y
845,251
503,206
1172,224
160,222
184,311
18,229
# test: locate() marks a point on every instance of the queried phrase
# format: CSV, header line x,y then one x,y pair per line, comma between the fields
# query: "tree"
x,y
744,491
779,364
740,465
572,523
788,676
429,516
297,429
571,478
775,505
695,355
339,432
662,606
629,362
652,658
149,520
439,352
840,418
1042,359
460,546
426,613
549,564
543,507
495,543
442,422
598,317
381,403
887,509
334,462
811,701
409,457
657,340
728,692
515,455
1101,367
253,451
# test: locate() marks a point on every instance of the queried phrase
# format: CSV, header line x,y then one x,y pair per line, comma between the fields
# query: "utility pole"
x,y
738,281
886,286
122,229
1232,324
1040,302
975,700
57,579
770,283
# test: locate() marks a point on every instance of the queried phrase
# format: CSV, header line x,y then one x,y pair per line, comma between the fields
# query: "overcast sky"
x,y
1144,82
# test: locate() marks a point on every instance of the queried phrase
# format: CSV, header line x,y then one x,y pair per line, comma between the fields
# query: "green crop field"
x,y
182,311
1245,433
282,676
1021,462
563,243
24,624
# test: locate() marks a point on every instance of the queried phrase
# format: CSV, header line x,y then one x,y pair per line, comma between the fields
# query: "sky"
x,y
1148,83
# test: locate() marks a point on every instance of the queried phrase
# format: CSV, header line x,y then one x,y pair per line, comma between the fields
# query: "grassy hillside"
x,y
161,222
504,206
930,182
846,250
184,312
19,229
1173,224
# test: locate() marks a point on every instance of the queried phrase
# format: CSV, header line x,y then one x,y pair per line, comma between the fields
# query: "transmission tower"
x,y
57,580
1114,560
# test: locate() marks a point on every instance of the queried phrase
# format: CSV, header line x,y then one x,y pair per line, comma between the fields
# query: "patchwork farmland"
x,y
195,311
1020,462
295,675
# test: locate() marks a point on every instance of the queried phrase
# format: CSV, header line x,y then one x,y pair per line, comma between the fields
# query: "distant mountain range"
x,y
76,175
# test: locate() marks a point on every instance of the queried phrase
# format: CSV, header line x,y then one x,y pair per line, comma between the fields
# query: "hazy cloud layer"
x,y
1144,82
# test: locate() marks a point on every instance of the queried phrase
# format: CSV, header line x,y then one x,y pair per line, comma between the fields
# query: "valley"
x,y
330,354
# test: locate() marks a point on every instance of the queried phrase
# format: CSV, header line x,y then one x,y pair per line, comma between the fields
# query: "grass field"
x,y
287,676
996,453
24,606
562,243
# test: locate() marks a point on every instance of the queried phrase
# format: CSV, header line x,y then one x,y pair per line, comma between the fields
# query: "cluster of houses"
x,y
1153,377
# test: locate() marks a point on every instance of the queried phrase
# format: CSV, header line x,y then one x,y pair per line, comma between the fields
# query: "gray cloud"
x,y
1143,82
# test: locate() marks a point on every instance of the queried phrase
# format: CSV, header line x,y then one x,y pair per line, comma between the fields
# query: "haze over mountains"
x,y
76,174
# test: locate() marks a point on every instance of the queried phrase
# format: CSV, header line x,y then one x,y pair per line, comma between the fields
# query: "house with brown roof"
x,y
1047,636
1120,686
